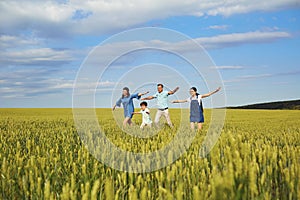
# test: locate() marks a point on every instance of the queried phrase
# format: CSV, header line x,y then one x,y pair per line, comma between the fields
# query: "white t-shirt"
x,y
146,116
194,98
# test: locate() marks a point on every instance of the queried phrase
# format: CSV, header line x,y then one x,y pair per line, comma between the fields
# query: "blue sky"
x,y
254,44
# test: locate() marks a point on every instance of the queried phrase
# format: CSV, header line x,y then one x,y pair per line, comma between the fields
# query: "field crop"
x,y
256,157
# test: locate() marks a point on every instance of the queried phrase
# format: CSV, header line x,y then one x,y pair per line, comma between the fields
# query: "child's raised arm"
x,y
136,113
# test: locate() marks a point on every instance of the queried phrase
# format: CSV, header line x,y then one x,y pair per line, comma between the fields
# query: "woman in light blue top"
x,y
127,101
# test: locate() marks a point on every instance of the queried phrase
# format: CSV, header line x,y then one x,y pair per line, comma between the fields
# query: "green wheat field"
x,y
256,157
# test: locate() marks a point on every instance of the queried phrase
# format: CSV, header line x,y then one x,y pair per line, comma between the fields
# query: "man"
x,y
162,103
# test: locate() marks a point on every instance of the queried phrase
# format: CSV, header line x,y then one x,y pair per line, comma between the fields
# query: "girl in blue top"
x,y
127,101
196,108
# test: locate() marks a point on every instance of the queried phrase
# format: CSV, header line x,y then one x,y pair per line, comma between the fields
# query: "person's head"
x,y
193,91
160,87
125,92
143,105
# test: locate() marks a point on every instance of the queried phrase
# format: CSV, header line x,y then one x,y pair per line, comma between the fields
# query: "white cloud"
x,y
106,84
274,28
234,39
229,67
35,56
69,84
22,51
261,76
247,77
64,85
219,41
33,82
27,50
9,41
231,7
218,27
29,83
50,18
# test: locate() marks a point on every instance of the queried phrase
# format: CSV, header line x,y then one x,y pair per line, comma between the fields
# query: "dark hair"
x,y
127,89
195,89
160,85
144,103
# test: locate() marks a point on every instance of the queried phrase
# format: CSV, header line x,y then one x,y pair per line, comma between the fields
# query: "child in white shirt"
x,y
146,115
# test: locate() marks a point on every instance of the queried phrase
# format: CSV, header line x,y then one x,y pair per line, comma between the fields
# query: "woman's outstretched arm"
x,y
142,94
179,101
211,93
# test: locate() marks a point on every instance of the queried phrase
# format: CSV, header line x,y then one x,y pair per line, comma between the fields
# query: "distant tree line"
x,y
279,105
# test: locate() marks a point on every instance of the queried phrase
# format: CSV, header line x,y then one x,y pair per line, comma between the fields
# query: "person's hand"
x,y
174,101
114,108
218,89
146,92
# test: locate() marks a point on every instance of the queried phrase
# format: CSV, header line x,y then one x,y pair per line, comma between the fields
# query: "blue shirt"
x,y
162,99
127,103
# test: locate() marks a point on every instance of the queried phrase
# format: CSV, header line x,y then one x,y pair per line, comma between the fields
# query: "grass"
x,y
256,157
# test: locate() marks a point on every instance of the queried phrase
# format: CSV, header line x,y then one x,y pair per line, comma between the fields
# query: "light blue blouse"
x,y
127,103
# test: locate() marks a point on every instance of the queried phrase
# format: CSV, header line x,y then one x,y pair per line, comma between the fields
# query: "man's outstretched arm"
x,y
173,91
147,98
